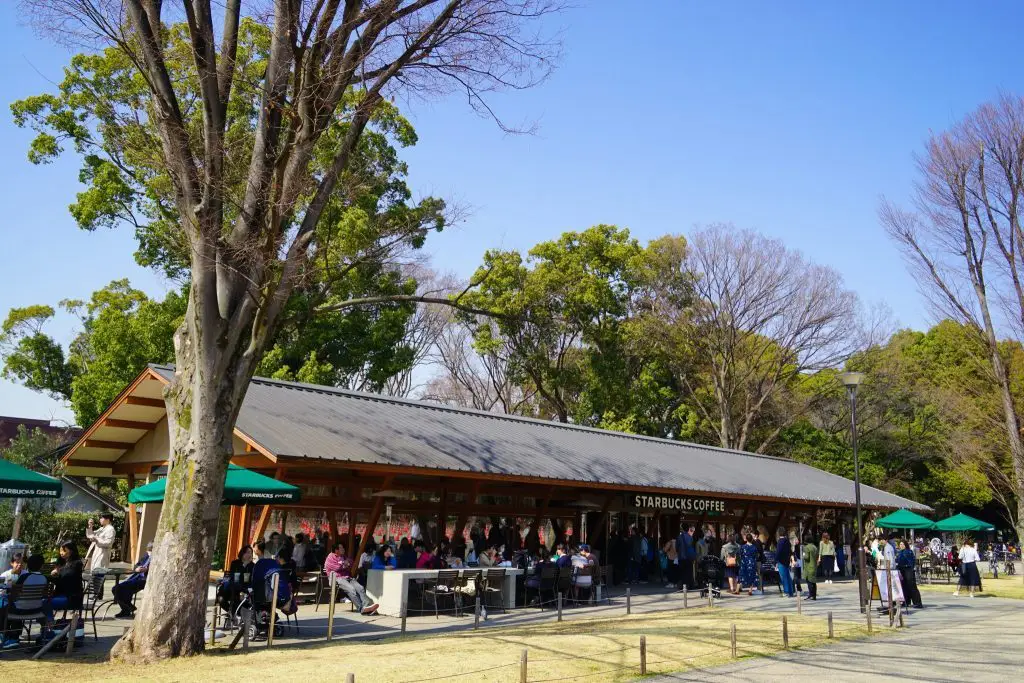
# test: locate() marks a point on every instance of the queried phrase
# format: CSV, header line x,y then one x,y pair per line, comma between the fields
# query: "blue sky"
x,y
792,119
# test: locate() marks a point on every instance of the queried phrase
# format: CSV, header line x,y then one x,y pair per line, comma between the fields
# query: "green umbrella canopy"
x,y
241,486
905,519
962,522
19,482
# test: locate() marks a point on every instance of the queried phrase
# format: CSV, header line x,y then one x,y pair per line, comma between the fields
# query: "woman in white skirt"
x,y
969,575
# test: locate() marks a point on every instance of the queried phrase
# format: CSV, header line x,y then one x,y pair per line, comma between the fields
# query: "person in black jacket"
x,y
783,558
67,579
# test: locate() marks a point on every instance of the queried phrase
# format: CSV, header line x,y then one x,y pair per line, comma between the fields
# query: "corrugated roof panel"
x,y
293,419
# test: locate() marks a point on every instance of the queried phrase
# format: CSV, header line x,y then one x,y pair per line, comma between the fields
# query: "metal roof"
x,y
326,423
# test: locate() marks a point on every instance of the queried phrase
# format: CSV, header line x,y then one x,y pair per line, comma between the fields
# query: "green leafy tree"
x,y
234,145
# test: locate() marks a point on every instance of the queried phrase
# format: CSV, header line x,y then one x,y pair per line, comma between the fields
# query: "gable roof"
x,y
291,419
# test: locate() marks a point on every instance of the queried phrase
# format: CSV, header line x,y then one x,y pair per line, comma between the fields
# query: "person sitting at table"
x,y
290,573
340,566
580,559
562,556
384,559
30,578
366,559
263,575
429,560
543,560
237,580
124,591
300,552
406,558
486,558
67,580
17,569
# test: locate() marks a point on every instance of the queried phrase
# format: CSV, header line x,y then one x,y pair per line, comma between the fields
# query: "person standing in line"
x,y
102,540
684,548
827,557
906,564
809,554
783,558
672,563
750,565
635,556
731,557
969,575
797,564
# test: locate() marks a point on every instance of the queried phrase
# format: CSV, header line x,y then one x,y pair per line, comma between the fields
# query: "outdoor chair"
x,y
443,587
545,586
94,600
21,593
563,582
582,572
469,578
494,584
604,580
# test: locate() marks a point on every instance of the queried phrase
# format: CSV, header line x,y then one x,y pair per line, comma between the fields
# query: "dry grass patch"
x,y
1003,587
605,649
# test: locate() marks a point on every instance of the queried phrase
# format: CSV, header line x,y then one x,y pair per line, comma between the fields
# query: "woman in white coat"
x,y
102,540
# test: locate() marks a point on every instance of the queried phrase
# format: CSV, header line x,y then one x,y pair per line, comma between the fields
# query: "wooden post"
x,y
888,581
476,612
732,638
522,667
830,633
350,678
261,525
785,633
799,603
560,604
628,606
66,631
868,613
711,596
76,616
246,623
133,523
686,592
216,617
378,506
643,655
331,607
273,608
230,549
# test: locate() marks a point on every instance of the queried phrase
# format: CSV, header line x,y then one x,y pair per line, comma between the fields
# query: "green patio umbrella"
x,y
20,482
241,486
905,519
962,522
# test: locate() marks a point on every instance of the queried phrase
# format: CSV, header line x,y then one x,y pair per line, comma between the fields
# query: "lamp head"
x,y
852,380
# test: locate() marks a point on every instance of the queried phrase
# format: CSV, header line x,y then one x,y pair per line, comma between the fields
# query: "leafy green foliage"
x,y
28,448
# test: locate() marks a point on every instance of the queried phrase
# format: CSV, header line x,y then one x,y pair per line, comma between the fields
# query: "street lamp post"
x,y
852,380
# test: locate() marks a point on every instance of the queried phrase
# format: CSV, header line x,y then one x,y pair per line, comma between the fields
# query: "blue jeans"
x,y
785,579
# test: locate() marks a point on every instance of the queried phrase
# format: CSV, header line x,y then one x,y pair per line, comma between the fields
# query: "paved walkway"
x,y
953,639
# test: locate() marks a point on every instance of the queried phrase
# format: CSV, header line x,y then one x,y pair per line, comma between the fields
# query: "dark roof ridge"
x,y
431,405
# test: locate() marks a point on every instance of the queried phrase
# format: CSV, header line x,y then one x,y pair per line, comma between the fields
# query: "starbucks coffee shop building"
x,y
373,462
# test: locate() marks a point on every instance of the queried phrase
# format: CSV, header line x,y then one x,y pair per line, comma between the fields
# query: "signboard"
x,y
682,504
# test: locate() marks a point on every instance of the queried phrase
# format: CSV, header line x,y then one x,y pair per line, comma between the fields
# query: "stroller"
x,y
710,573
257,598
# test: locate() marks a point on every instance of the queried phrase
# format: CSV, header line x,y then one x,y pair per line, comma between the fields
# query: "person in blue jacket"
x,y
384,559
783,558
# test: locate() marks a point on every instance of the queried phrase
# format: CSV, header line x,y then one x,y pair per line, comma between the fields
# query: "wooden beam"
x,y
261,524
230,551
351,547
460,521
143,401
133,524
374,517
110,445
103,464
442,515
128,424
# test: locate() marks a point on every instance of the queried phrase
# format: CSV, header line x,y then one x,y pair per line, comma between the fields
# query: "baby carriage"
x,y
710,572
258,597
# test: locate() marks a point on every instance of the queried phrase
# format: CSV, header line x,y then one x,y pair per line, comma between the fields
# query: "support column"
x,y
378,506
133,523
261,524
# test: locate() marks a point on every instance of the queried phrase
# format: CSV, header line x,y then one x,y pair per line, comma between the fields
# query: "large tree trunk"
x,y
202,405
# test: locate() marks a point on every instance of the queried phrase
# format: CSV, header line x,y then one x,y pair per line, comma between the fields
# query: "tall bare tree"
x,y
332,64
963,239
760,316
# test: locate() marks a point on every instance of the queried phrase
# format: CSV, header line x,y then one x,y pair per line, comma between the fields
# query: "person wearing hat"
x,y
126,590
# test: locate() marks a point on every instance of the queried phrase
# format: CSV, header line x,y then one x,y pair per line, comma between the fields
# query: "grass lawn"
x,y
606,649
1003,587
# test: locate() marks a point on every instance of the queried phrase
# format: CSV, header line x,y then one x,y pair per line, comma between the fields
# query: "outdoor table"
x,y
115,572
389,588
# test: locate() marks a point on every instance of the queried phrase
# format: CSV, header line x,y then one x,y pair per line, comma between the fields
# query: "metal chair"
x,y
563,582
586,571
545,584
494,584
441,587
20,593
94,600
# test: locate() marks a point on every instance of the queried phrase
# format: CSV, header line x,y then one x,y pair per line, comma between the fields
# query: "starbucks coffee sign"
x,y
674,503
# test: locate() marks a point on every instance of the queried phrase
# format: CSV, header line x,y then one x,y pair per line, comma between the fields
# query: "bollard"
x,y
273,609
246,622
685,593
868,612
732,636
522,667
560,605
643,655
830,625
799,603
901,617
476,614
331,605
403,620
350,678
213,629
72,630
711,596
628,606
785,633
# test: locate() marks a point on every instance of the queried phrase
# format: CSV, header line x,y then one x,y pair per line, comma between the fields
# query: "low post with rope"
x,y
559,599
275,584
476,614
686,592
830,632
643,655
732,639
331,606
628,605
523,658
785,633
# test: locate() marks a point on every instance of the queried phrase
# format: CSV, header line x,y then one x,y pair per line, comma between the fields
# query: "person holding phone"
x,y
102,540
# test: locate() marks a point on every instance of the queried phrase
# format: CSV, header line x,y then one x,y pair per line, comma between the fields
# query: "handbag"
x,y
730,561
835,566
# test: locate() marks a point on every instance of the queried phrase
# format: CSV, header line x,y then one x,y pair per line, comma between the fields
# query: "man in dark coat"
x,y
783,557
